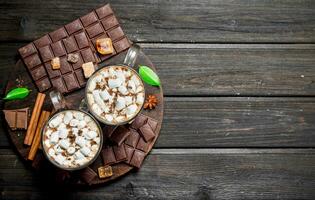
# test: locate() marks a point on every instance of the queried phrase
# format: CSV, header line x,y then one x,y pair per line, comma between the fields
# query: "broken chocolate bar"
x,y
17,119
112,155
120,134
79,37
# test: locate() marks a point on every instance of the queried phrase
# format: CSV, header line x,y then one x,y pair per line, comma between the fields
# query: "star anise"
x,y
150,102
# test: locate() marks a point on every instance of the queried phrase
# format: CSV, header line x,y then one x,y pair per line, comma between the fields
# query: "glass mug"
x,y
67,155
127,65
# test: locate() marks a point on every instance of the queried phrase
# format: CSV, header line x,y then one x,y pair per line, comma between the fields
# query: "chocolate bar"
x,y
120,134
112,155
79,37
17,119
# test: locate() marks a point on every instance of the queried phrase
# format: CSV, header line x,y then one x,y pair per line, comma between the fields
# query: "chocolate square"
x,y
59,84
143,145
38,72
78,64
46,53
94,30
32,61
116,33
152,123
58,34
133,138
70,44
71,82
65,66
43,84
137,158
88,55
108,156
74,26
146,132
120,153
27,50
43,41
88,175
121,45
139,121
51,72
129,152
88,19
10,117
21,118
120,134
104,11
110,22
58,49
82,40
80,77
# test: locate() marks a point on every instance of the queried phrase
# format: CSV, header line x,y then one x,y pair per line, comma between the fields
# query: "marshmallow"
x,y
64,144
82,124
114,83
85,151
120,118
139,89
128,100
48,132
104,73
135,79
80,141
47,143
94,148
111,71
132,86
60,159
51,152
68,117
90,98
74,122
109,117
75,130
78,155
92,85
90,135
97,140
87,118
97,109
79,115
127,73
54,137
140,99
63,133
71,150
105,95
123,90
61,126
58,149
120,104
92,125
55,122
132,109
98,78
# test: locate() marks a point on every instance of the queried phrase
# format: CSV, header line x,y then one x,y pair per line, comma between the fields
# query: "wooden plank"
x,y
184,174
172,21
235,122
220,69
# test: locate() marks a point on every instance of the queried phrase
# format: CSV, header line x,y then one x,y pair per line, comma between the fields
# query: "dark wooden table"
x,y
239,85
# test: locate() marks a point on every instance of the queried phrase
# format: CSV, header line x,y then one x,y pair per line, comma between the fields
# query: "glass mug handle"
x,y
57,100
132,55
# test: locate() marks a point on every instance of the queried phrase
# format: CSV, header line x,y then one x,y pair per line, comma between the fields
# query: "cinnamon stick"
x,y
34,119
36,142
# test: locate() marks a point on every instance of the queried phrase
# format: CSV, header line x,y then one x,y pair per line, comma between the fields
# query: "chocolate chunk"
x,y
146,132
94,30
51,73
73,57
88,55
137,158
104,11
110,22
116,33
143,145
120,153
17,119
38,72
70,44
129,152
133,138
43,84
120,134
105,172
32,61
59,84
43,41
74,26
88,19
88,175
152,123
139,121
80,77
58,49
65,67
82,40
121,45
71,82
58,34
108,156
27,50
46,53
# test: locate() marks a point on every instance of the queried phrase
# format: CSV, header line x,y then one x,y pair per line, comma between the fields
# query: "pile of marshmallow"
x,y
71,138
115,94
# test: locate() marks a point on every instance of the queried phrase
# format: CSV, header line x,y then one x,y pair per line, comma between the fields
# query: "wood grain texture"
x,y
232,21
220,69
204,174
234,122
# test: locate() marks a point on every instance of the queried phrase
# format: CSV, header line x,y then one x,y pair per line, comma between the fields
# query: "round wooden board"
x,y
20,76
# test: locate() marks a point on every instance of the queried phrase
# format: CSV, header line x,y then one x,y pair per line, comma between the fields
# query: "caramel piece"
x,y
105,172
73,57
55,63
104,46
88,69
